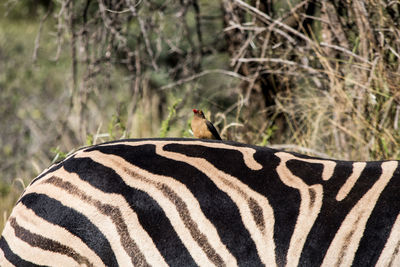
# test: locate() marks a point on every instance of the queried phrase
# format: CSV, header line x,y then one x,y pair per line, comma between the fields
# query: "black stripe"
x,y
13,258
150,214
76,223
379,224
310,173
216,205
329,219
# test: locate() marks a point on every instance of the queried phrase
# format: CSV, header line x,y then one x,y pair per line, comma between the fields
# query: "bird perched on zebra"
x,y
202,128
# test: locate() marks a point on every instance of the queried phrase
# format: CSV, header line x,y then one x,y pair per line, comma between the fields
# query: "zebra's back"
x,y
184,202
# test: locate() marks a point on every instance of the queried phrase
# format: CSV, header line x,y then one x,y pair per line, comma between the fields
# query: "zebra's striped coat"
x,y
183,202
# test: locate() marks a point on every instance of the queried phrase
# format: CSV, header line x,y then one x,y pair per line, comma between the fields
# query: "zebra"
x,y
192,202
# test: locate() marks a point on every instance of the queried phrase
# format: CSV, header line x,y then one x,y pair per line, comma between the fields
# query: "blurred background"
x,y
315,77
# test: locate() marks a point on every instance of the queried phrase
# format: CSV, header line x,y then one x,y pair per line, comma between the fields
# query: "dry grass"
x,y
334,90
8,201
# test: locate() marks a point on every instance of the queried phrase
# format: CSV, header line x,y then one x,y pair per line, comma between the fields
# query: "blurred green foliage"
x,y
166,124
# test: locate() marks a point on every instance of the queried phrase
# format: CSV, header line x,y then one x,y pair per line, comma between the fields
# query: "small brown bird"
x,y
202,128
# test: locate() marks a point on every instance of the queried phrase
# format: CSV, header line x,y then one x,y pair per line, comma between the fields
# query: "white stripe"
x,y
308,212
390,255
34,254
358,167
345,243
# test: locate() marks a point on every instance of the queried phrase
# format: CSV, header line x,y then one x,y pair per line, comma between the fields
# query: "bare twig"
x,y
203,73
125,10
37,39
109,25
396,118
132,8
344,50
73,48
60,26
232,124
393,51
241,51
315,18
244,28
198,25
267,19
278,60
335,26
250,86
